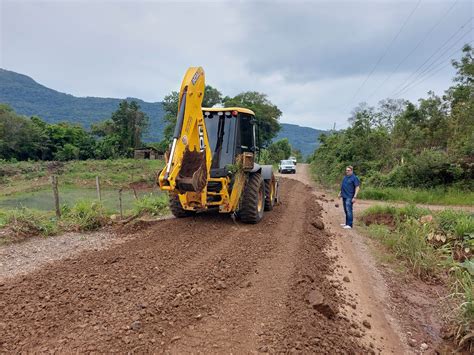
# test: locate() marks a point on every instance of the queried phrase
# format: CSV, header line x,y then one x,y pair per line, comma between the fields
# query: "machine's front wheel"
x,y
270,193
176,209
253,199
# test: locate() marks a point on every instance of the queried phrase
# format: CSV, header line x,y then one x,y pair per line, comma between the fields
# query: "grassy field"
x,y
42,199
431,245
439,196
26,197
446,196
30,176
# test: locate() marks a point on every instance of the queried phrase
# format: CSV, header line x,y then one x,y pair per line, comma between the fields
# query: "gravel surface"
x,y
201,284
29,255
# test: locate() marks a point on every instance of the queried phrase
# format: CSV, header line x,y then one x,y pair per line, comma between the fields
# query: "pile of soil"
x,y
192,161
380,218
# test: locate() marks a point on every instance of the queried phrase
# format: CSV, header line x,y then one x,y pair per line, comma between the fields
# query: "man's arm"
x,y
355,194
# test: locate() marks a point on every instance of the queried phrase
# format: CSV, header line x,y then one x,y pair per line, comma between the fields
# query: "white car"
x,y
287,166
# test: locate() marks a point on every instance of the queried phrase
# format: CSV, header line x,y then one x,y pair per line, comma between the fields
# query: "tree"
x,y
399,143
297,154
461,99
212,97
170,106
129,123
276,151
266,113
388,111
103,128
20,138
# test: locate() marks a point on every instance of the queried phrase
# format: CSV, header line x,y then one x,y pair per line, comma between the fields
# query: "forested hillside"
x,y
304,139
29,98
398,143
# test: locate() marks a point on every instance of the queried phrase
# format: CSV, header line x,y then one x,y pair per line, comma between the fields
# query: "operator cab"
x,y
231,132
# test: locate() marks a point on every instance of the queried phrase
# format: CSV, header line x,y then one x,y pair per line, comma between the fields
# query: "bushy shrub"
x,y
151,204
86,215
428,169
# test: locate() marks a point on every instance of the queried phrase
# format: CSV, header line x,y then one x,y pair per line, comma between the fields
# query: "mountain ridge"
x,y
30,98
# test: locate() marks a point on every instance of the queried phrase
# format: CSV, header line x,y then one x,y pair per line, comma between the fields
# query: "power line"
x,y
416,47
434,63
428,74
433,73
386,51
432,55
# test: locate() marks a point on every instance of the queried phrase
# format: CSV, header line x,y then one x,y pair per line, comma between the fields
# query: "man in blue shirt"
x,y
349,189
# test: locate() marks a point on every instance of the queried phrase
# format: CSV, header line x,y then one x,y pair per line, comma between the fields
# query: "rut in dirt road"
x,y
198,284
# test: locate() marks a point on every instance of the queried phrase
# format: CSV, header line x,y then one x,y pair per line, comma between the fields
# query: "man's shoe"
x,y
347,227
343,224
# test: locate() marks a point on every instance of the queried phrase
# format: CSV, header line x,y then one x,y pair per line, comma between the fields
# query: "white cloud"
x,y
309,57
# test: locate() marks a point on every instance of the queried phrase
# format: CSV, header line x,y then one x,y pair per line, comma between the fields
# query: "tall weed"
x,y
86,215
151,204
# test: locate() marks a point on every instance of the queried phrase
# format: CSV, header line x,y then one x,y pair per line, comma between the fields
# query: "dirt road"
x,y
207,284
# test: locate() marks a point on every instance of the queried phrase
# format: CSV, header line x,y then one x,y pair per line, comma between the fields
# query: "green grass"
x,y
438,196
409,245
31,176
23,223
462,293
27,184
399,213
84,216
155,205
430,243
26,198
457,223
42,200
112,172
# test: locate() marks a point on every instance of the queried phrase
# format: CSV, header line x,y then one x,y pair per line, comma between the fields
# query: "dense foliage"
x,y
399,143
266,113
23,138
275,152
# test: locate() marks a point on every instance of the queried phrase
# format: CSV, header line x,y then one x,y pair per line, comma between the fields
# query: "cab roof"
x,y
222,109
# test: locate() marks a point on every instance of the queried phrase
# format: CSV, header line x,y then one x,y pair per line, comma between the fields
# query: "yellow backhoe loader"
x,y
211,161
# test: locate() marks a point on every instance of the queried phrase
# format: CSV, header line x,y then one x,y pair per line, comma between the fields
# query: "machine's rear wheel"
x,y
253,199
270,193
176,209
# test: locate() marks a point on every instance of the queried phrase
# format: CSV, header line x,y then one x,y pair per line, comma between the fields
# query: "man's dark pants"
x,y
347,202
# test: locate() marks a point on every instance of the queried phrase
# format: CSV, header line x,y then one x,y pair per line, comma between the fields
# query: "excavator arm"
x,y
188,164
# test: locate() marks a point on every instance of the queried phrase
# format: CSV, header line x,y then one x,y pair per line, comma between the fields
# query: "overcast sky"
x,y
316,59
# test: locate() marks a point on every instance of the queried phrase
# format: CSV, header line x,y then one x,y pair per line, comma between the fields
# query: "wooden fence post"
x,y
120,204
97,185
54,182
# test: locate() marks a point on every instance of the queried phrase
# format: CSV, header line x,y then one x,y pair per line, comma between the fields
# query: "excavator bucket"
x,y
193,174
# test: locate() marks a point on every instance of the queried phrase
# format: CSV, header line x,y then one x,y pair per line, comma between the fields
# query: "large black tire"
x,y
176,209
270,193
253,200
